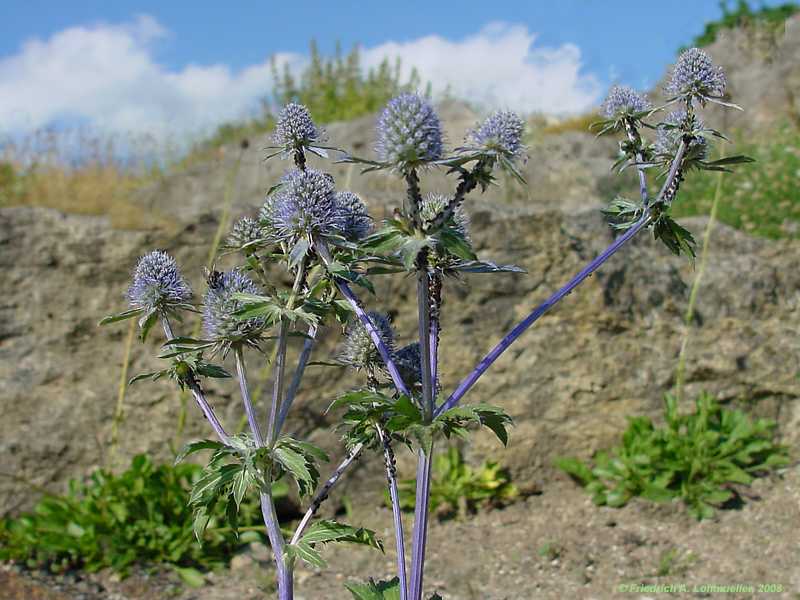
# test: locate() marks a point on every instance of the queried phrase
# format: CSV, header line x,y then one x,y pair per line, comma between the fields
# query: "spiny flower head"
x,y
409,362
623,100
696,76
433,204
500,133
295,128
157,283
245,231
305,205
668,138
219,306
409,133
358,350
354,220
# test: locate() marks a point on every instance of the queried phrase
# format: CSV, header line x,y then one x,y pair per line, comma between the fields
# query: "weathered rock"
x,y
607,352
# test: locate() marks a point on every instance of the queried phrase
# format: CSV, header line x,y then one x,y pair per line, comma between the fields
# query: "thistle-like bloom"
x,y
304,206
668,139
358,350
354,220
433,204
157,283
219,321
295,128
244,231
696,76
501,134
409,362
409,133
623,100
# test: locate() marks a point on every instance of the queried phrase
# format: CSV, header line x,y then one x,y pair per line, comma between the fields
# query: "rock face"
x,y
607,352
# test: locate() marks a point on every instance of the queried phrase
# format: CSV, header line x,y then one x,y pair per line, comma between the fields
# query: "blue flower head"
x,y
623,100
157,283
358,350
668,138
696,76
409,362
433,204
354,220
304,206
501,133
295,128
219,306
245,231
409,133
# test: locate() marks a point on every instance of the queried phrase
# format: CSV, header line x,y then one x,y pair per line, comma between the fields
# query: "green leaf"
x,y
382,590
191,577
146,323
575,469
326,531
193,447
298,252
295,464
128,314
456,244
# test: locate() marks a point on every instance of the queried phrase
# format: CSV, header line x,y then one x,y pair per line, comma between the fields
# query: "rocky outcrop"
x,y
607,352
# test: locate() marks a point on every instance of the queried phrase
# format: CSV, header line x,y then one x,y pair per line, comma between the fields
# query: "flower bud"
x,y
409,133
219,321
157,282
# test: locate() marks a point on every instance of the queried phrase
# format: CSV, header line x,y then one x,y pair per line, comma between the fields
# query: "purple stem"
x,y
433,344
197,392
351,298
302,362
285,575
420,534
391,478
511,337
424,310
323,492
241,371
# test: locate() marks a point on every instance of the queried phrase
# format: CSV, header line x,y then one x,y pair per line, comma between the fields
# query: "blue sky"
x,y
188,65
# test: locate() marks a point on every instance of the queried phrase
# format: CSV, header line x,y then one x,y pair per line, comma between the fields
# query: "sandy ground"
x,y
555,545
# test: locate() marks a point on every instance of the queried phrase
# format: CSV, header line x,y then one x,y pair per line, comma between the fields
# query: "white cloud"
x,y
107,75
499,67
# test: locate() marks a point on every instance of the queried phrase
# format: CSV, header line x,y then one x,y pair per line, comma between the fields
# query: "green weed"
x,y
696,457
113,521
459,489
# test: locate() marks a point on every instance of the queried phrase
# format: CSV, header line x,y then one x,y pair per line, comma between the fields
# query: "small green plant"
x,y
459,489
113,521
764,201
743,15
551,550
696,457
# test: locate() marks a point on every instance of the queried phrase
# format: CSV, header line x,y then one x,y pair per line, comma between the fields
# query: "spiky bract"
x,y
623,100
500,133
696,76
409,133
358,350
219,320
304,206
157,283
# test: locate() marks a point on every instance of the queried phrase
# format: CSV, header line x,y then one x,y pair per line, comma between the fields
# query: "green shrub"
x,y
333,89
457,488
744,16
695,457
763,198
139,516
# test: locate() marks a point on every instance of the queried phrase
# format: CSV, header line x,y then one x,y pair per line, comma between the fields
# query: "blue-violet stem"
x,y
197,392
285,574
249,410
511,337
424,310
420,533
351,298
394,496
302,362
540,310
323,492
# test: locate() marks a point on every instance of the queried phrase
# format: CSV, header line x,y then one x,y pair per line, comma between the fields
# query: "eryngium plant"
x,y
321,238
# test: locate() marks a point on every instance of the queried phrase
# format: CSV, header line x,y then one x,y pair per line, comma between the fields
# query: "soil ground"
x,y
555,545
